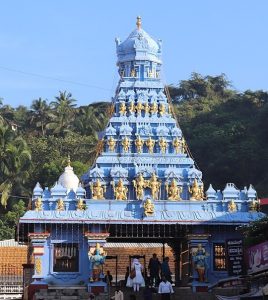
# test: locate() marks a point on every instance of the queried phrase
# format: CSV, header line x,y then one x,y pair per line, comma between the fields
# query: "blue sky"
x,y
74,41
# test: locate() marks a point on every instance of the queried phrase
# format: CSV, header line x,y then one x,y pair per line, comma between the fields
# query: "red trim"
x,y
264,201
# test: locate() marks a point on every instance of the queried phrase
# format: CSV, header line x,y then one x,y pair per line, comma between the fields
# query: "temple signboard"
x,y
257,257
235,259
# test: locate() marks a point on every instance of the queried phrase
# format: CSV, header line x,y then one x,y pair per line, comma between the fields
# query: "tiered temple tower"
x,y
144,186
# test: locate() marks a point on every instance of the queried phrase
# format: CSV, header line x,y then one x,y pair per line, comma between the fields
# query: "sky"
x,y
47,46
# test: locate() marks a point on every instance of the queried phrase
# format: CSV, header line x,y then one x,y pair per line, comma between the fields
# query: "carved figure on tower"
x,y
111,144
183,145
150,144
162,109
38,204
154,184
120,191
140,184
232,207
146,108
139,144
254,205
163,145
97,190
97,258
196,191
154,108
148,207
133,73
125,143
177,145
80,204
139,108
60,205
122,109
131,107
173,190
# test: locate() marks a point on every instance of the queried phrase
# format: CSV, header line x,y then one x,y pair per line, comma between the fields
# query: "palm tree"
x,y
41,115
15,161
65,112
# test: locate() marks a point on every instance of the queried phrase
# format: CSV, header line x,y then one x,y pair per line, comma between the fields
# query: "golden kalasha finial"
x,y
138,23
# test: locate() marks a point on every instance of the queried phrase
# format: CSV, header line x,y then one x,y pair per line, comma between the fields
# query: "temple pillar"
x,y
198,255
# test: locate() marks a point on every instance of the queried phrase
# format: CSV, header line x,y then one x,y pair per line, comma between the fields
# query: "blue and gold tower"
x,y
143,186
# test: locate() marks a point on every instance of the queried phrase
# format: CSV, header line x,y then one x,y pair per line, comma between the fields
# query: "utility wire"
x,y
13,196
54,78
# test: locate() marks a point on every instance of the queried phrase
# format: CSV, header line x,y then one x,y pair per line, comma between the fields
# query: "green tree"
x,y
15,162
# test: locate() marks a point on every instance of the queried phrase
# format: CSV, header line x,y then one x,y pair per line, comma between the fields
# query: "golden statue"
x,y
162,109
150,73
154,185
183,145
80,204
254,205
148,208
150,144
139,108
140,184
122,109
154,108
169,109
125,143
147,108
60,205
131,107
38,204
133,73
139,144
120,191
163,145
97,190
111,144
177,144
196,191
232,206
173,191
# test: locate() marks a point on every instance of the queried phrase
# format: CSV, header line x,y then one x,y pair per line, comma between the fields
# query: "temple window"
x,y
219,257
66,258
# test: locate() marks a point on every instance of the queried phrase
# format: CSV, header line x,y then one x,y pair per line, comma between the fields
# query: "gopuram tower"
x,y
143,187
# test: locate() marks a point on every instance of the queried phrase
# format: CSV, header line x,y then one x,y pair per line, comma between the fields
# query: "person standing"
x,y
165,289
154,268
137,280
108,278
165,270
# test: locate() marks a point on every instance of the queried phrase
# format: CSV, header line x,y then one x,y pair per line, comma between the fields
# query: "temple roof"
x,y
68,179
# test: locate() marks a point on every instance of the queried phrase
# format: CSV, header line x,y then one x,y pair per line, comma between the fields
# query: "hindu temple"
x,y
144,188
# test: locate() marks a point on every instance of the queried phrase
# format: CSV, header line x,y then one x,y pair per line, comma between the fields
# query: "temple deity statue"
x,y
150,144
97,190
177,145
139,144
196,191
150,73
200,263
111,144
133,73
162,109
122,109
60,205
80,204
125,143
146,108
163,145
183,145
140,184
139,108
254,205
120,191
38,204
154,184
154,108
232,207
173,190
148,207
97,258
131,107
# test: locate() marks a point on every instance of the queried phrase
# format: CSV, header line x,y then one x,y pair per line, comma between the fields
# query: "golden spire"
x,y
68,161
138,23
